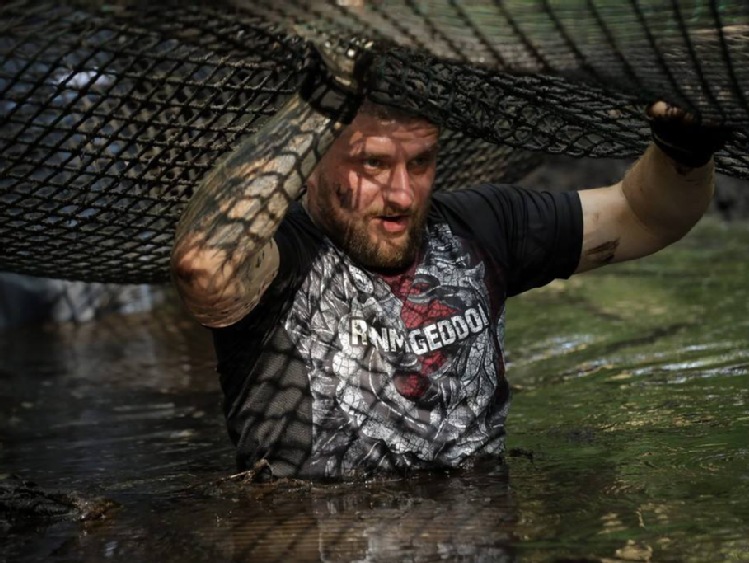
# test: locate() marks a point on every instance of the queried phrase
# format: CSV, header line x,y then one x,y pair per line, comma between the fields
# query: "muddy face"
x,y
371,191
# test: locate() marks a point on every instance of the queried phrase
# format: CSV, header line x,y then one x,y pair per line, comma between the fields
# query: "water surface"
x,y
628,435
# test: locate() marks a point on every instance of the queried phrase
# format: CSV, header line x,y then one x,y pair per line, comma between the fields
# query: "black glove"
x,y
337,74
687,142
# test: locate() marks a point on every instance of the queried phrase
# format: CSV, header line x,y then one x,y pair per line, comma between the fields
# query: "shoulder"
x,y
297,222
504,203
528,231
481,198
298,239
474,207
496,194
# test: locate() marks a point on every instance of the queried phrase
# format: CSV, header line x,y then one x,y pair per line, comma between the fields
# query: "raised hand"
x,y
337,73
682,137
224,256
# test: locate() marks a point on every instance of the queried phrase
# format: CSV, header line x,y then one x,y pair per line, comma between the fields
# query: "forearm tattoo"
x,y
239,205
603,253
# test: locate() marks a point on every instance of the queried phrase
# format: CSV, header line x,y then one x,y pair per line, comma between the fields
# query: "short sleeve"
x,y
240,344
536,236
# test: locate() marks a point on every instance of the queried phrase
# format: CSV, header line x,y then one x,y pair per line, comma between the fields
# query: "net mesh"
x,y
110,114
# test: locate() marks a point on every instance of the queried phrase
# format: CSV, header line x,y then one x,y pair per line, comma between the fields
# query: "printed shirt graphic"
x,y
405,371
339,371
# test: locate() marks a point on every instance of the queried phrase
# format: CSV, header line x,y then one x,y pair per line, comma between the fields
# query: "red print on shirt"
x,y
422,305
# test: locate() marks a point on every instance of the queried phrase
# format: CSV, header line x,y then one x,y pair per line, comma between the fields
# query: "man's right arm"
x,y
224,255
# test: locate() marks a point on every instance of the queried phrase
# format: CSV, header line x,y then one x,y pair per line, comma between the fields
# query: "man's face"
x,y
371,191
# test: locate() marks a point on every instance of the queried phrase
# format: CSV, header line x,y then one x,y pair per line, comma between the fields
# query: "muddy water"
x,y
629,437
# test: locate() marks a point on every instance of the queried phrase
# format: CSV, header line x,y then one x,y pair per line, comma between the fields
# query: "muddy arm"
x,y
224,256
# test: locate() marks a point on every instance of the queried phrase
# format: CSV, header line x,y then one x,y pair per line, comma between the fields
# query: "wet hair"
x,y
389,113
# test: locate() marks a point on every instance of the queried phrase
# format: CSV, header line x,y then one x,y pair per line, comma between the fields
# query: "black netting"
x,y
111,113
108,124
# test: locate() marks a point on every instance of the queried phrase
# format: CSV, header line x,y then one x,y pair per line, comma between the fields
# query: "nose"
x,y
399,191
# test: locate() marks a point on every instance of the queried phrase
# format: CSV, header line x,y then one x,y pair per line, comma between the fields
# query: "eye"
x,y
422,162
373,163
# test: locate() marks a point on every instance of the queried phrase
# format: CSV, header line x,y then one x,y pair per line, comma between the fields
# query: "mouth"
x,y
393,223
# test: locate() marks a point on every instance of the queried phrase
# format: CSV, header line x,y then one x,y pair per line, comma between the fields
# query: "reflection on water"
x,y
631,405
422,518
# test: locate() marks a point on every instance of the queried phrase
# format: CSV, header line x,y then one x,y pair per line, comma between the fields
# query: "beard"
x,y
381,251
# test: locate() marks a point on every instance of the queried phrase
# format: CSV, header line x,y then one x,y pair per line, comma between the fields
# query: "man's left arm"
x,y
659,199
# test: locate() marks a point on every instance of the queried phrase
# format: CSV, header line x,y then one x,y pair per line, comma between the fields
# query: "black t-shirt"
x,y
340,371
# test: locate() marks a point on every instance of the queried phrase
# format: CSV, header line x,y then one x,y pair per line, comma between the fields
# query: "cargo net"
x,y
111,113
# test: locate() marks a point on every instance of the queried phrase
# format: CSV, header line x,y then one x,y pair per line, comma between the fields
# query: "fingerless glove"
x,y
689,144
327,94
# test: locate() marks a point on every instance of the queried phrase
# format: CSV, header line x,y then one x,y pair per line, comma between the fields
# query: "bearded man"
x,y
358,318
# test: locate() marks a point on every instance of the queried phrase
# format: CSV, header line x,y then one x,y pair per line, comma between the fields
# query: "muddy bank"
x,y
24,504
